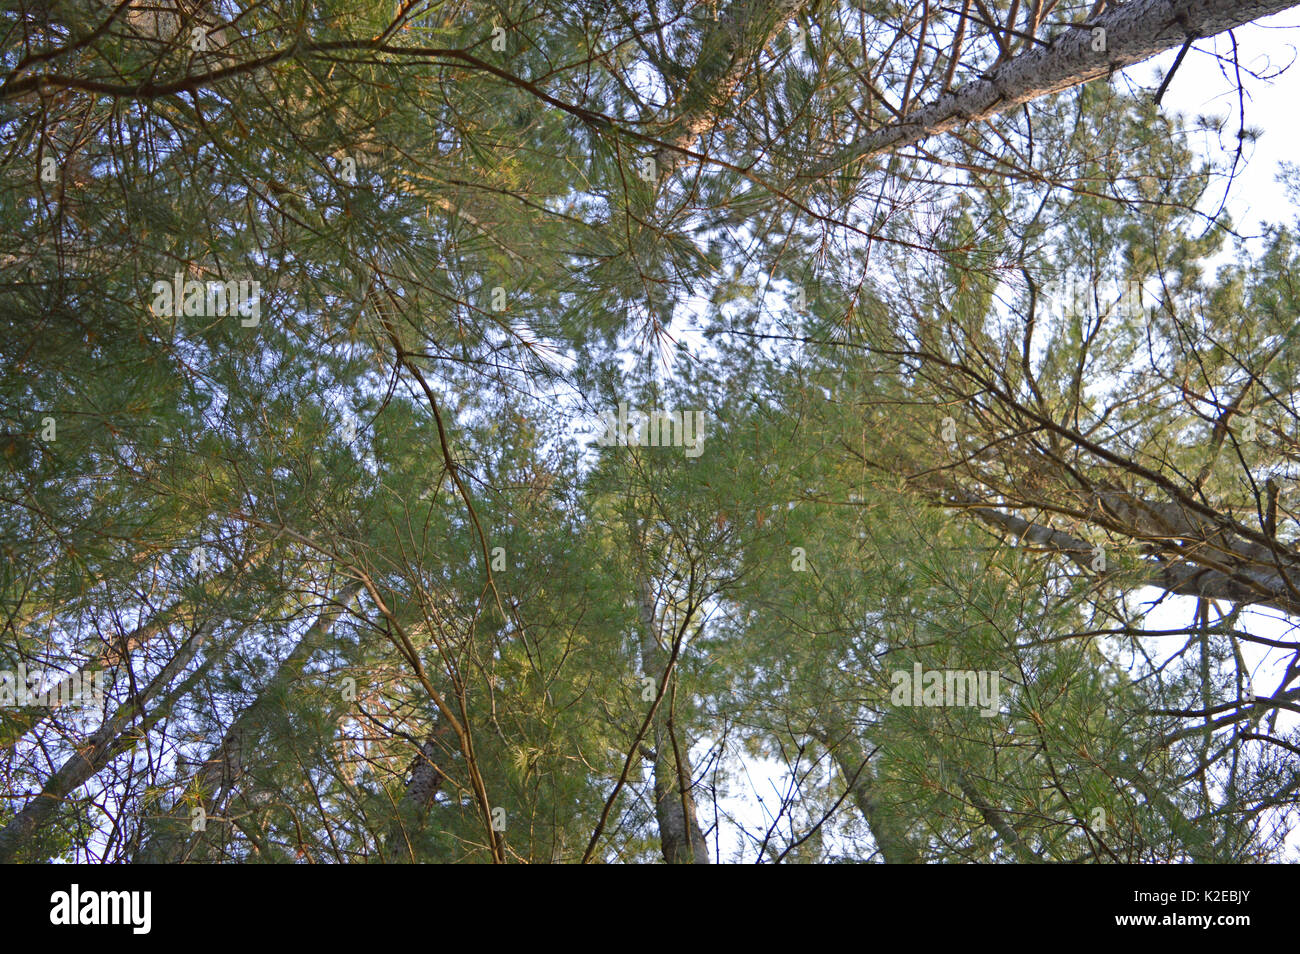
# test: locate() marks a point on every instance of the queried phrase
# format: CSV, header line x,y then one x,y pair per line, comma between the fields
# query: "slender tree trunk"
x,y
97,750
728,49
27,720
679,830
425,781
888,831
996,819
223,769
1253,578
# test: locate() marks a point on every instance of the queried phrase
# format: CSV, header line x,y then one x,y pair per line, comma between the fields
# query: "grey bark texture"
x,y
223,769
727,51
422,787
996,819
887,830
26,721
679,831
1134,31
95,752
1209,564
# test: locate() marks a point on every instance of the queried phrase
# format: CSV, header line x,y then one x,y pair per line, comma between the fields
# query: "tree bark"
x,y
1134,32
727,51
27,720
422,787
887,830
222,770
996,819
1250,580
96,752
680,837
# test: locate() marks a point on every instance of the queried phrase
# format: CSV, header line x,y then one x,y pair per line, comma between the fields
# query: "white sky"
x,y
1207,85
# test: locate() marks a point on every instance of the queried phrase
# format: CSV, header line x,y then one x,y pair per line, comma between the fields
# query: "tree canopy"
x,y
767,430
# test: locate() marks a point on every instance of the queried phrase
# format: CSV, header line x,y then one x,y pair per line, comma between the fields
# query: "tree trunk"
x,y
96,752
888,831
422,788
727,51
679,831
27,720
1239,571
997,820
1134,32
223,769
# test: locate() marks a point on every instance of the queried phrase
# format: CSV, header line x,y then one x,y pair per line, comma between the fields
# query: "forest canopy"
x,y
766,430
